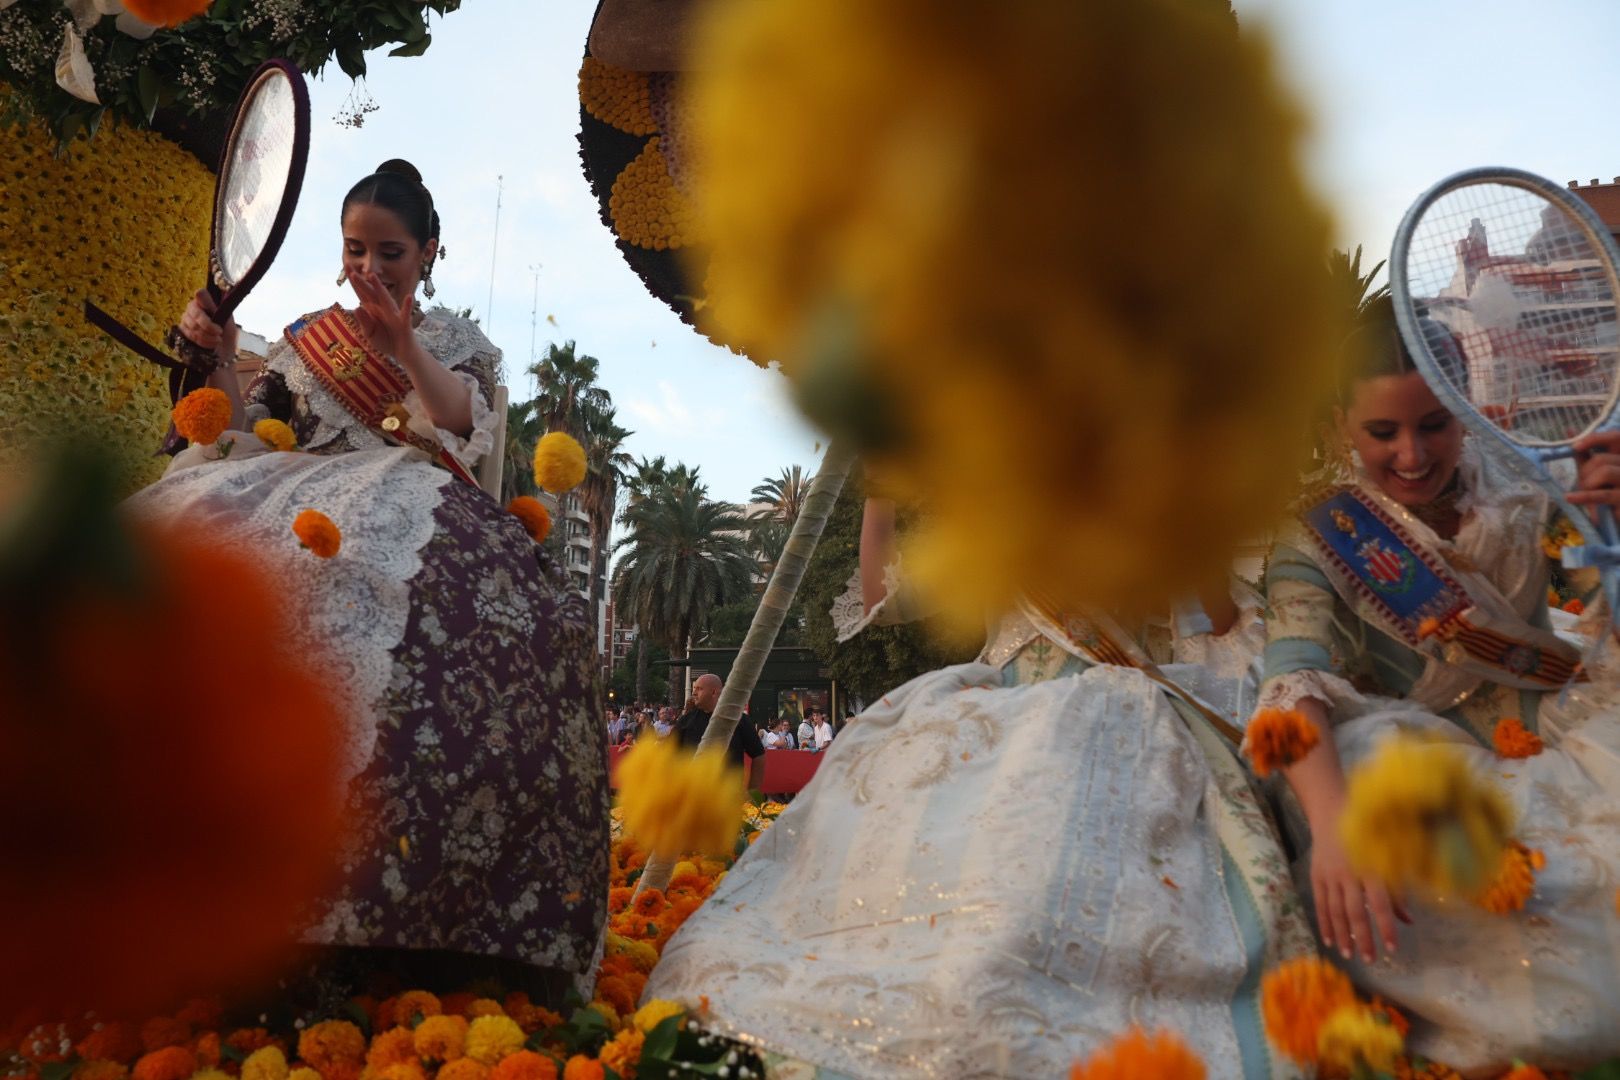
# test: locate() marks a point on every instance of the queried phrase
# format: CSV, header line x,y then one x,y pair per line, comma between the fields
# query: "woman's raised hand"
x,y
386,324
199,327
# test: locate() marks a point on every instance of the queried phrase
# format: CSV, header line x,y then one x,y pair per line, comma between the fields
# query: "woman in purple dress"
x,y
473,752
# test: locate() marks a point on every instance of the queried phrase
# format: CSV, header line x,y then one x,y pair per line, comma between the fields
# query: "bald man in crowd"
x,y
745,740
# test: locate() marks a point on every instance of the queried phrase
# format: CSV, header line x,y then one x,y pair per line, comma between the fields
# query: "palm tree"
x,y
683,556
1359,295
522,432
567,384
785,495
605,465
766,538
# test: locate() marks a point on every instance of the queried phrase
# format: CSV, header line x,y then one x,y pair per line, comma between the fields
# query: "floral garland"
x,y
122,222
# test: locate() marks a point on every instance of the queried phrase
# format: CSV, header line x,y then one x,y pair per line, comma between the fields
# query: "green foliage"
x,y
729,623
201,65
879,658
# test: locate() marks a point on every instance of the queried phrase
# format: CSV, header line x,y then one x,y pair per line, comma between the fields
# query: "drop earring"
x,y
343,275
427,283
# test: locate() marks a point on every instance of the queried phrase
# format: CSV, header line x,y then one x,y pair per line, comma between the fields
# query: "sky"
x,y
1401,93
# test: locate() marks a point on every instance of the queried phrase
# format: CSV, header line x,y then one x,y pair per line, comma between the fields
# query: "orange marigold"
x,y
1524,1072
166,12
464,1068
580,1067
623,1052
401,1070
1515,880
529,1016
208,1049
441,1038
117,1041
615,991
395,1046
1296,998
246,1040
1575,606
1512,739
100,1069
331,1043
169,1063
1136,1054
525,1065
1276,738
1428,627
619,898
649,902
202,415
161,1031
534,515
317,533
411,1007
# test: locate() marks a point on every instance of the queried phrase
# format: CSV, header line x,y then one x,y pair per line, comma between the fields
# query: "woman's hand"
x,y
199,327
1344,901
387,325
1597,477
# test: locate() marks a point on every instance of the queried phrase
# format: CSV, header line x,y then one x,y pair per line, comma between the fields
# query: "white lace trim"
x,y
1287,691
333,421
480,441
849,614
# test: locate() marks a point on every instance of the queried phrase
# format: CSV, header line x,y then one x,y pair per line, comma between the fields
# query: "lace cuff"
x,y
480,441
1287,691
898,606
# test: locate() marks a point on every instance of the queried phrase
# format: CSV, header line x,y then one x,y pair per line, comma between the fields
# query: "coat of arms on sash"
x,y
347,362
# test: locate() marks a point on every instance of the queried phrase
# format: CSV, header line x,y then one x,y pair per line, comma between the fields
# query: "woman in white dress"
x,y
1001,866
1420,576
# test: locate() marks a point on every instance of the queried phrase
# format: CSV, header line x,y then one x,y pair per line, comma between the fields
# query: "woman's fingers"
x,y
1361,931
1602,441
205,301
1383,915
1600,472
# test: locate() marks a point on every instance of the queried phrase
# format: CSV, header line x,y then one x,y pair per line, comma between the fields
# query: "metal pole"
x,y
489,306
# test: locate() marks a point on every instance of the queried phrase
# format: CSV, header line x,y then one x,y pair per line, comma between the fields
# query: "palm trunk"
x,y
641,665
768,619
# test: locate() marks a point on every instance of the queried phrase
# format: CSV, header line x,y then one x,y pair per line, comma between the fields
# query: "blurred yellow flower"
x,y
559,462
676,801
656,1012
1418,816
275,434
1358,1037
1053,266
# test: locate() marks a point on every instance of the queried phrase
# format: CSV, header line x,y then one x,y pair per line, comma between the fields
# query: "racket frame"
x,y
1530,461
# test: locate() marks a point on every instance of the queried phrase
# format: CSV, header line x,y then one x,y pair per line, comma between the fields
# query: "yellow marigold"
x,y
1276,738
331,1043
1357,1037
265,1063
580,1067
559,462
1296,999
1418,816
525,1065
275,434
656,1012
319,534
617,97
490,1038
484,1007
100,1069
1511,739
166,12
395,1046
676,801
202,415
648,210
622,1053
1137,1054
463,1068
534,515
1514,882
413,1006
304,1072
441,1038
974,286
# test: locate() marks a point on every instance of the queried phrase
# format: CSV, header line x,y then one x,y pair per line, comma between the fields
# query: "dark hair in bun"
x,y
397,186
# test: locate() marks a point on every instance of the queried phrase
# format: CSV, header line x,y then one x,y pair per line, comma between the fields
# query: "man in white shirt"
x,y
824,732
772,740
807,734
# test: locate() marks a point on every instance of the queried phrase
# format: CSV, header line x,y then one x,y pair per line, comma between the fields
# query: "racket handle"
x,y
1555,453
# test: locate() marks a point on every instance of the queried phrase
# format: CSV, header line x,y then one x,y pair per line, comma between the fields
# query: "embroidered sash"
x,y
1102,641
368,385
1412,594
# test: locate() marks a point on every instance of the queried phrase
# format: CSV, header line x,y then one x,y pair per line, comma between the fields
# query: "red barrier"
x,y
786,771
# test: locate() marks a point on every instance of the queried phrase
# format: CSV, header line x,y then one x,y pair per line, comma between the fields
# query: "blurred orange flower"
x,y
1137,1054
1277,738
1511,739
202,415
1296,999
317,533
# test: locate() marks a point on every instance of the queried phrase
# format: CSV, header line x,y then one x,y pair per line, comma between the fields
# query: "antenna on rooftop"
x,y
489,306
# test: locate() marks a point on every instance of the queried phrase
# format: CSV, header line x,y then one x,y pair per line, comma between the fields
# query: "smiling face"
x,y
1409,443
376,241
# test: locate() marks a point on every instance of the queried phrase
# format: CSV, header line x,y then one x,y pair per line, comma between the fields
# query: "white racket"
x,y
1504,287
